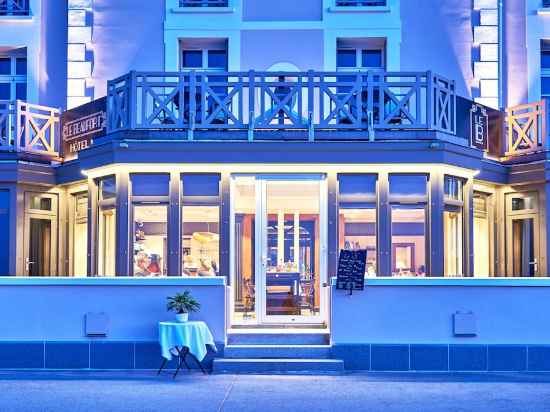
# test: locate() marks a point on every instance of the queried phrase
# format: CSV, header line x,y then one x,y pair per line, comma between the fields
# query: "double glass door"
x,y
279,252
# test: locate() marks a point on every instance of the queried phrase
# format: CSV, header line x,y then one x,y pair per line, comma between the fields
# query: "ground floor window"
x,y
358,231
150,240
482,235
408,240
201,240
106,242
453,242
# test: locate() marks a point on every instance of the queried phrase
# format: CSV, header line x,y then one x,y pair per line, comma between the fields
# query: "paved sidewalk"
x,y
143,391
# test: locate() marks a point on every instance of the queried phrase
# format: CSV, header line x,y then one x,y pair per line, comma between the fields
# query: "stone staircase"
x,y
261,351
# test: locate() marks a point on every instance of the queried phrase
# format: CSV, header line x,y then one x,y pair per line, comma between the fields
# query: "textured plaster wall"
x,y
437,35
127,35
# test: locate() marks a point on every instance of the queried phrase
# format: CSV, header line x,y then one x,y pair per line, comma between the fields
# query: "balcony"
x,y
29,128
14,8
204,3
307,102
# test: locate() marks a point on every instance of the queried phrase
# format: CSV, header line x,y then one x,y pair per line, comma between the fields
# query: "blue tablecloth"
x,y
194,335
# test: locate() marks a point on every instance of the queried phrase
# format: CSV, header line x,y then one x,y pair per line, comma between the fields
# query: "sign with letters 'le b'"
x,y
81,125
479,127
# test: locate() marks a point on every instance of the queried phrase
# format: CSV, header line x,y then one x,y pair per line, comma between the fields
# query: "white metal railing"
x,y
526,124
204,3
14,8
31,128
362,100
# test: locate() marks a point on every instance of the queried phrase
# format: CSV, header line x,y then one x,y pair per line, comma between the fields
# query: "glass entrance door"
x,y
279,257
522,237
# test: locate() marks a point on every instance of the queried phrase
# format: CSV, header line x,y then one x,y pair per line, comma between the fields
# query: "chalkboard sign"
x,y
351,270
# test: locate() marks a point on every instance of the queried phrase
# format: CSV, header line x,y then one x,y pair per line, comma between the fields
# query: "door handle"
x,y
535,265
28,264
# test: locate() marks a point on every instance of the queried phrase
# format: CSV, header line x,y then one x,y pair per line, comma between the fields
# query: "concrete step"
x,y
287,338
280,351
305,366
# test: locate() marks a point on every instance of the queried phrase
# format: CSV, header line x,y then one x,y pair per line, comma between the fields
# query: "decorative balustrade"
x,y
204,3
14,8
360,3
526,125
363,101
31,128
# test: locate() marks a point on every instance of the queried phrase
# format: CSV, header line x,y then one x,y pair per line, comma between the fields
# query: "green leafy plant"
x,y
182,303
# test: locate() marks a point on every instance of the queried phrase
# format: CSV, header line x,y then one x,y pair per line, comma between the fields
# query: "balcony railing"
x,y
30,128
362,101
360,3
204,3
14,7
527,128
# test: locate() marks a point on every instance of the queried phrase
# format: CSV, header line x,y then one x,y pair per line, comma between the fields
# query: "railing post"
x,y
251,104
192,104
430,94
310,104
311,132
18,128
370,105
132,103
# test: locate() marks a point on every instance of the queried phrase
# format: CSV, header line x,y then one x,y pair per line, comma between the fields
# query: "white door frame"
x,y
260,245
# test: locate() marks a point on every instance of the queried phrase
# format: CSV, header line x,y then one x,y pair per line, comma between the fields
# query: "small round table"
x,y
184,338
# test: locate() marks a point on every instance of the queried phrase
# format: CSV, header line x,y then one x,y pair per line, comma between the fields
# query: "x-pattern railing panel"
x,y
526,125
14,7
362,100
37,129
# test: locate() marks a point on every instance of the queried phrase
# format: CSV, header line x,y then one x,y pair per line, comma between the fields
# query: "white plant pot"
x,y
182,317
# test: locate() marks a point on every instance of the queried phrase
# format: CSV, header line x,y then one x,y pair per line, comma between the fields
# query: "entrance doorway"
x,y
522,227
40,234
278,249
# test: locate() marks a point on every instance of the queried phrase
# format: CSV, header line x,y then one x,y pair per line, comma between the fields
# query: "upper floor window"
x,y
545,69
13,75
354,54
204,3
204,54
545,3
14,7
360,3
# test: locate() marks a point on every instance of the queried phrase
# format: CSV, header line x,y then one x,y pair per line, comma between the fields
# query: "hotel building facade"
x,y
233,147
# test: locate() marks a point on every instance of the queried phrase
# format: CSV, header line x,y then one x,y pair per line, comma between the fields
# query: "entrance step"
x,y
273,338
305,366
277,351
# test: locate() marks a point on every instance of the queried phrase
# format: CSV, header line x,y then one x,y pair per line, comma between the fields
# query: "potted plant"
x,y
182,304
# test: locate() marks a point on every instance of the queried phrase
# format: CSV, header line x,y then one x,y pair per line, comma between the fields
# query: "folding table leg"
x,y
162,366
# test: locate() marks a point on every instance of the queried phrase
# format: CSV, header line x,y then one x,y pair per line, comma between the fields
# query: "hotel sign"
x,y
81,125
479,127
351,270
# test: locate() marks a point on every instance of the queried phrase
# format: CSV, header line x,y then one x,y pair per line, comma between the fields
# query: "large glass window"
x,y
357,216
150,198
453,226
80,235
200,225
106,235
545,69
482,235
409,203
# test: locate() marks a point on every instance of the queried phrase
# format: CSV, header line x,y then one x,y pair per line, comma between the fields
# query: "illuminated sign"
x,y
479,127
81,125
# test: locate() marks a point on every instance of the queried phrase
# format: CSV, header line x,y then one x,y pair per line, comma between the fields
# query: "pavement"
x,y
190,392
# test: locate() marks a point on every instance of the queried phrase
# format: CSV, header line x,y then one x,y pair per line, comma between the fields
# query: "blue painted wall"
x,y
4,232
282,10
53,54
127,35
437,35
260,49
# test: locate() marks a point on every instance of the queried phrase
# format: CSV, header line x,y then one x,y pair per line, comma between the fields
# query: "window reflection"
x,y
452,222
80,235
106,242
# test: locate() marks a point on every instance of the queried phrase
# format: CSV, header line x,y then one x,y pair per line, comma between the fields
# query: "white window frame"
x,y
13,79
204,51
359,58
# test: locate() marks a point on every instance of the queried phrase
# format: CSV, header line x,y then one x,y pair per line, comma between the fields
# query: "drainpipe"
x,y
501,54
